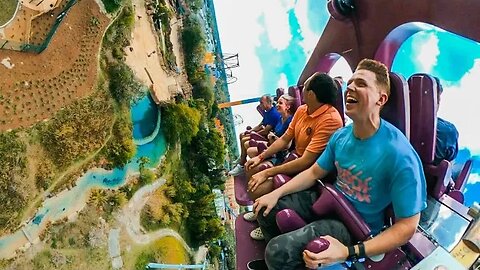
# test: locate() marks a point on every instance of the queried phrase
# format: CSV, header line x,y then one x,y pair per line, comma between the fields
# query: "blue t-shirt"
x,y
376,172
446,143
271,117
280,128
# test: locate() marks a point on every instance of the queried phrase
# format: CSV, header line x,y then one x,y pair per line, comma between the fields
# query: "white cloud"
x,y
459,105
282,82
473,179
427,50
276,21
310,38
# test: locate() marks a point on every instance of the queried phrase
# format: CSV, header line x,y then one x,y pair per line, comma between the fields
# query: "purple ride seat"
x,y
396,111
339,104
423,96
247,249
296,92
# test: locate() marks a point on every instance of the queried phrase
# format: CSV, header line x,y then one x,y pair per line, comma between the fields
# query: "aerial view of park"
x,y
112,146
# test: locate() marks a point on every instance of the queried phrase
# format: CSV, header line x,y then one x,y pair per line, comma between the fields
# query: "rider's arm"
x,y
277,146
408,193
302,181
258,127
395,236
264,131
294,166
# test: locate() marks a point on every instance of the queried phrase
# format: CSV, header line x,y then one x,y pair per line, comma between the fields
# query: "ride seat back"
x,y
296,92
339,104
397,109
423,109
331,200
280,91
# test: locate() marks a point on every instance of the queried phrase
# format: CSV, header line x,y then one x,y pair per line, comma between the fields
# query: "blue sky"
x,y
275,38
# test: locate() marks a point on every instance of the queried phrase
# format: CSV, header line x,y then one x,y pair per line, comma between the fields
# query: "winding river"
x,y
151,143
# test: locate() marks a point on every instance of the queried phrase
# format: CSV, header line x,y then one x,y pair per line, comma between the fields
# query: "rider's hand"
x,y
256,180
251,163
336,252
267,201
271,138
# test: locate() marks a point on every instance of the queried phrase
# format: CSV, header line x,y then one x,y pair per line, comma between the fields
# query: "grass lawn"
x,y
164,250
7,9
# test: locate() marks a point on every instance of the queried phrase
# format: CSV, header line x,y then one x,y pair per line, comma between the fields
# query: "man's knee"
x,y
264,188
252,152
276,252
244,140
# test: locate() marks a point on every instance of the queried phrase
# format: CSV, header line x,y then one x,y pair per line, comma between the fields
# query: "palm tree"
x,y
98,197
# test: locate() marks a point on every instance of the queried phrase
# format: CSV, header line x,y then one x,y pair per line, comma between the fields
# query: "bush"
x,y
180,123
44,174
111,6
14,193
124,87
120,148
193,41
77,131
204,90
118,34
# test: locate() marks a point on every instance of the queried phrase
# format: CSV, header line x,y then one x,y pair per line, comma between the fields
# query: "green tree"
x,y
204,90
120,148
123,85
98,197
180,123
195,5
14,192
205,155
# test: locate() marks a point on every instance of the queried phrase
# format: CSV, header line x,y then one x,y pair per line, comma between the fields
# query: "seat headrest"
x,y
339,104
279,92
397,109
295,91
423,109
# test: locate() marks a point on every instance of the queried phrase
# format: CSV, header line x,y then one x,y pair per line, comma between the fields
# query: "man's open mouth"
x,y
351,100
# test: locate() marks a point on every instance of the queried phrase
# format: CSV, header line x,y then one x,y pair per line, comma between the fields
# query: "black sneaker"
x,y
257,265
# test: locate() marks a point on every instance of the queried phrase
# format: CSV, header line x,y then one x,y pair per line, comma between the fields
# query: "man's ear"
x,y
383,99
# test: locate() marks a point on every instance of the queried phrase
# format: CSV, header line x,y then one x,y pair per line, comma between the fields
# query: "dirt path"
x,y
175,25
145,58
130,217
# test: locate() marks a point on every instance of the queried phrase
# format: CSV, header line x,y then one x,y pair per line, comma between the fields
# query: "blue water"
x,y
144,118
56,208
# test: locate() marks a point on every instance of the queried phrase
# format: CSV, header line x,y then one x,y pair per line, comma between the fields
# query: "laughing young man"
x,y
370,153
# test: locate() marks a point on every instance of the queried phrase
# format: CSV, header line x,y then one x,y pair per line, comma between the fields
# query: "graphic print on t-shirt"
x,y
353,184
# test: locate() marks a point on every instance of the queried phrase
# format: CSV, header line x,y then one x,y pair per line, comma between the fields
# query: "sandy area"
x,y
41,5
146,55
175,25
